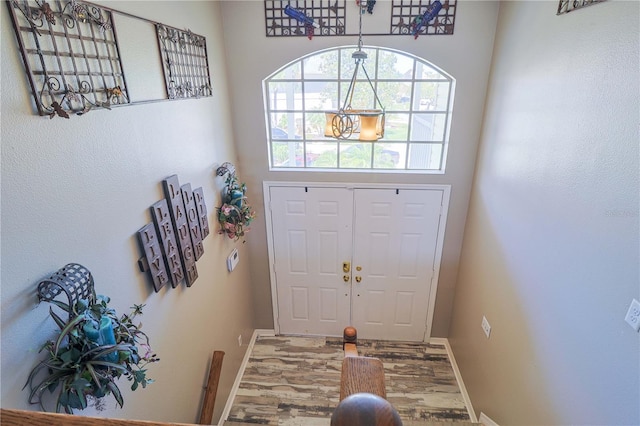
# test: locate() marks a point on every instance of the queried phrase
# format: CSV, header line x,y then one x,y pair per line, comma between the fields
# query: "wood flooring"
x,y
293,381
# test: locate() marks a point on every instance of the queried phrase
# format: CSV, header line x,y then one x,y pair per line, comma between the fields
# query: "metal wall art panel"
x,y
71,54
184,62
405,12
288,18
566,6
284,18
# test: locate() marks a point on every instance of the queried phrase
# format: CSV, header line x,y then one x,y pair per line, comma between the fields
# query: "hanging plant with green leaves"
x,y
94,348
235,215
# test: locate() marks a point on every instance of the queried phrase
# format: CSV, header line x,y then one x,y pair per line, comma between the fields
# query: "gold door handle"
x,y
345,278
358,278
346,267
358,268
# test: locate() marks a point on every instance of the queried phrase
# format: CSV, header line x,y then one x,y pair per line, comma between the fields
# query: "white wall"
x,y
77,190
252,57
550,252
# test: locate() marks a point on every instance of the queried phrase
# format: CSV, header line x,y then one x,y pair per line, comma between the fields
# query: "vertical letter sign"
x,y
173,242
179,215
155,261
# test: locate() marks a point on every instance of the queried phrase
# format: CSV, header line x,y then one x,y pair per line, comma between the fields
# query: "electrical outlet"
x,y
486,327
633,315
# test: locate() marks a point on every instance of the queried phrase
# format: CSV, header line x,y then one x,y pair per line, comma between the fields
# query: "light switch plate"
x,y
486,327
233,260
633,315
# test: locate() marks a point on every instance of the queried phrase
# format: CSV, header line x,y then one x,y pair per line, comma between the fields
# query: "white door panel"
x,y
394,247
312,238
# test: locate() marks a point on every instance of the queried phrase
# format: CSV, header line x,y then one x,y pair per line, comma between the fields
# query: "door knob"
x,y
358,278
346,267
358,268
345,278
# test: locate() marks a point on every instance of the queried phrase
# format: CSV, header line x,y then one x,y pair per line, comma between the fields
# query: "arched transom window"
x,y
417,98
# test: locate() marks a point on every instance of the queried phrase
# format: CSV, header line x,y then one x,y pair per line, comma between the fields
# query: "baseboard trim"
x,y
486,421
456,371
236,384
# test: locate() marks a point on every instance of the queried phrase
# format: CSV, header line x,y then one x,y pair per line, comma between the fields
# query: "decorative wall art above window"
x,y
285,18
292,18
74,62
566,6
423,17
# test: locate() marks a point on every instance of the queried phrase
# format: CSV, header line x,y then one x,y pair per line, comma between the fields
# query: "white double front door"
x,y
366,257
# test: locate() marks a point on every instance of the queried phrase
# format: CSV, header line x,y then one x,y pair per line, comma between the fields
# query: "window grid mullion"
x,y
303,95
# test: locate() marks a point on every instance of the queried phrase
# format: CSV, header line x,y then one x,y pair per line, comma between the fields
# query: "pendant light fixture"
x,y
366,124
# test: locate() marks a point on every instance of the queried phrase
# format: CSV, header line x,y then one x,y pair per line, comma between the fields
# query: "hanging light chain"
x,y
360,30
359,57
343,123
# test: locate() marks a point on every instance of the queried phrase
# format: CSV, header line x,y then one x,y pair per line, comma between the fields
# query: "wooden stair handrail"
x,y
362,389
362,375
10,417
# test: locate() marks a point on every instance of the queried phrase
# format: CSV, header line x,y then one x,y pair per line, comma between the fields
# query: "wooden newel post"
x,y
350,341
206,414
350,335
